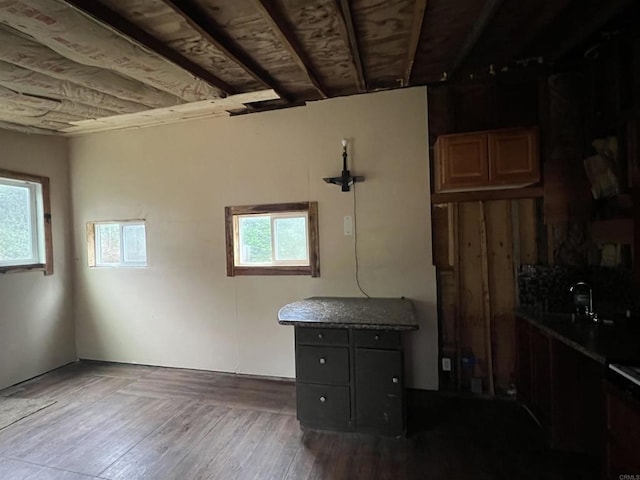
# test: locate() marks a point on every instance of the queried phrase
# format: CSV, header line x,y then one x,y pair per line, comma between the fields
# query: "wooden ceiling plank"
x,y
348,30
419,8
178,113
597,22
128,29
282,28
489,10
200,21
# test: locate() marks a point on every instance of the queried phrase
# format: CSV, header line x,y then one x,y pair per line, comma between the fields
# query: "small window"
x,y
117,244
25,223
280,239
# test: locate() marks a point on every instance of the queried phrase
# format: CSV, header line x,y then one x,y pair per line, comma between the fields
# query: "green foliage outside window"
x,y
255,241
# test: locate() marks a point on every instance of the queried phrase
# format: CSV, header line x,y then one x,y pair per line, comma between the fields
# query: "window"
x,y
279,239
117,244
25,223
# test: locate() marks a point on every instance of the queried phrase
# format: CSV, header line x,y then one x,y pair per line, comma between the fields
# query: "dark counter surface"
x,y
349,312
618,343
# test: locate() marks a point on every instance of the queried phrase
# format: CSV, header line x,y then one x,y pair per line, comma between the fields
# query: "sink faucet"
x,y
583,300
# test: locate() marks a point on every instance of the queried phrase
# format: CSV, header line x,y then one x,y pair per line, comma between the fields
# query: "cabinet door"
x,y
623,432
541,375
461,162
513,157
379,390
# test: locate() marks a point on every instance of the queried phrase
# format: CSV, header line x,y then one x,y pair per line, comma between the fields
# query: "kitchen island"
x,y
349,362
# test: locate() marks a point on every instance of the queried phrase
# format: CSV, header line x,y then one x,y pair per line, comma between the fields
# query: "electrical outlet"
x,y
446,364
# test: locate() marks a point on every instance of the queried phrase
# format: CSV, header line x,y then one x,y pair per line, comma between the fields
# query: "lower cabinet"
x,y
623,433
349,379
562,388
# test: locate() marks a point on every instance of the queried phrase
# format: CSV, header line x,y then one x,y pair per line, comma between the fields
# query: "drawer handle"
x,y
376,338
323,399
323,360
395,380
320,336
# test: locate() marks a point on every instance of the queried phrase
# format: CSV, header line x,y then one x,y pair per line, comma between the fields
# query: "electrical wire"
x,y
355,242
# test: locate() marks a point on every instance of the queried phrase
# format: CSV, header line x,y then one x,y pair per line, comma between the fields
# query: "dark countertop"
x,y
603,343
349,312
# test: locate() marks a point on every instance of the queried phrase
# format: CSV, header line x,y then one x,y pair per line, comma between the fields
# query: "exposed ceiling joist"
x,y
124,26
612,8
349,31
280,25
419,9
489,10
200,21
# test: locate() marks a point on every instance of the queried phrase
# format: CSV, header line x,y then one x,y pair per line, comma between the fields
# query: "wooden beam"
x,y
489,10
125,27
202,23
281,27
487,195
345,23
599,20
419,8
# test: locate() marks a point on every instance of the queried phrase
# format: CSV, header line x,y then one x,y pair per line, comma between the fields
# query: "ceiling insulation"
x,y
48,104
80,38
34,83
22,52
25,129
77,66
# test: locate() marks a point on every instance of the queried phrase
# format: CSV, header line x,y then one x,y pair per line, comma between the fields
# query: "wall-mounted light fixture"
x,y
345,180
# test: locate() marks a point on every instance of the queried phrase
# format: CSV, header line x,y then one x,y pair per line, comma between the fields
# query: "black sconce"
x,y
345,180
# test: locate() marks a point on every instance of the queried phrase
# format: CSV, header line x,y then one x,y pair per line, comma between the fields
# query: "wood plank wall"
x,y
478,245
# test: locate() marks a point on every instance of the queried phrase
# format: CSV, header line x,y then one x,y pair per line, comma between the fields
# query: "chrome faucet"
x,y
583,300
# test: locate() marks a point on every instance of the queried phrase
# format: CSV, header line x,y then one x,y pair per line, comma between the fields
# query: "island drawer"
x,y
378,338
322,364
322,336
323,405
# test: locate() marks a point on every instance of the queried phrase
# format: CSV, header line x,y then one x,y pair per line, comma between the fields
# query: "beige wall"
x,y
183,310
36,323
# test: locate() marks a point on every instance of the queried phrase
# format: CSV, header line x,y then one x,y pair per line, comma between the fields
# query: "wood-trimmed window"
x,y
275,239
117,244
25,223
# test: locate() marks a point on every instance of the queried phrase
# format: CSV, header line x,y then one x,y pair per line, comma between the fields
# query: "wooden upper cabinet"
x,y
462,160
484,160
513,157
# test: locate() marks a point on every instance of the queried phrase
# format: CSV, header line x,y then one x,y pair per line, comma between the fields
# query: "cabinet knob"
x,y
395,380
320,336
323,399
323,360
376,337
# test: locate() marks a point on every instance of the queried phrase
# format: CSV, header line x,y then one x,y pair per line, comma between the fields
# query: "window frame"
x,y
93,250
43,239
231,233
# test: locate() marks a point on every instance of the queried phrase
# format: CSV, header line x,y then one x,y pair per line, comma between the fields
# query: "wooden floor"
x,y
114,421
